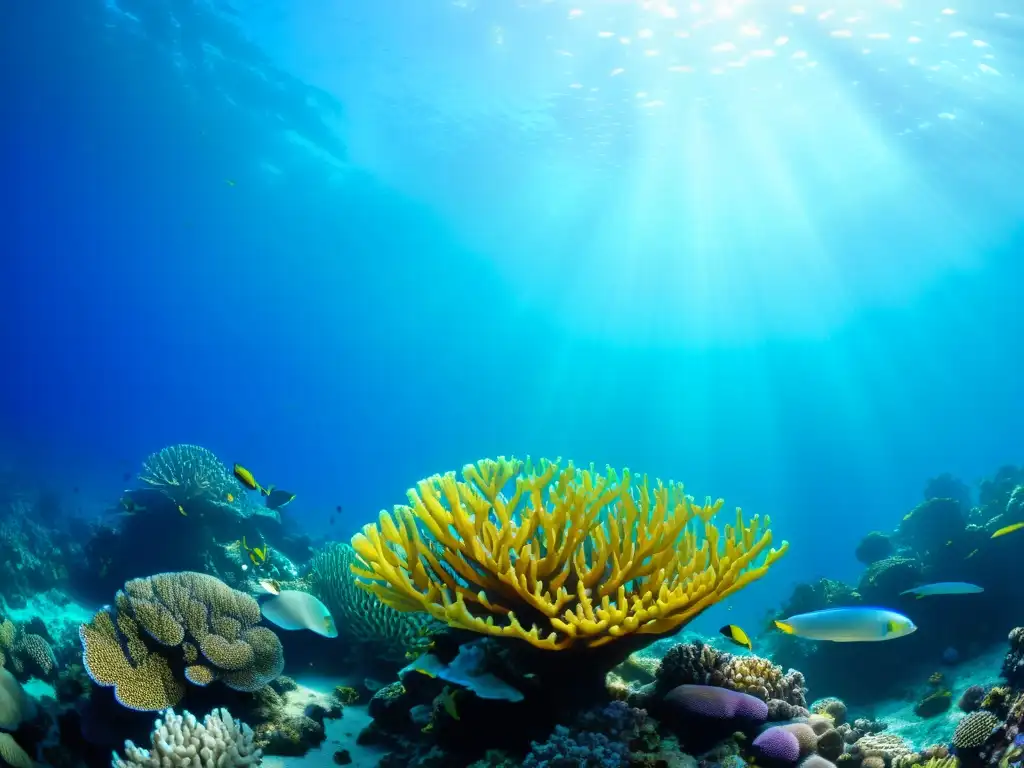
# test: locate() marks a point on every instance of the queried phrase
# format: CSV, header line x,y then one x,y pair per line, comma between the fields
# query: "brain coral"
x,y
887,745
557,555
777,744
718,703
359,615
176,627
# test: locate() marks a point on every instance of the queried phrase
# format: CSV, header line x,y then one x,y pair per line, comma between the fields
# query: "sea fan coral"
x,y
362,618
571,557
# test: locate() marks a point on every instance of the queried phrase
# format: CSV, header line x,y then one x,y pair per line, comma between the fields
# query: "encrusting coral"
x,y
174,627
177,741
360,616
571,558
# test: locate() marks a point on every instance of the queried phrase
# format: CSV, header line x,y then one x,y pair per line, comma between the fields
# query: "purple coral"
x,y
778,745
718,703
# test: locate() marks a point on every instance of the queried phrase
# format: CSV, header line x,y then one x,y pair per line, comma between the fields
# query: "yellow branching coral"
x,y
571,557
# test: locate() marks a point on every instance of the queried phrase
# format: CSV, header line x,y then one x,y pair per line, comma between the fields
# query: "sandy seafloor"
x,y
341,734
899,714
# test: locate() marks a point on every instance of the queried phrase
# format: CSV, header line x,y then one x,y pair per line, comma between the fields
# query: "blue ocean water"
x,y
772,251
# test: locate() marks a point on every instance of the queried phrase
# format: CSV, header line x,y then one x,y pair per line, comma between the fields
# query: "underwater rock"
x,y
390,706
971,698
934,704
832,707
929,525
873,547
1013,663
885,579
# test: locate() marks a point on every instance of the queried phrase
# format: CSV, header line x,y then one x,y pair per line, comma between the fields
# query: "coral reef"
x,y
940,539
1013,664
700,664
361,618
193,478
571,558
873,547
180,741
176,627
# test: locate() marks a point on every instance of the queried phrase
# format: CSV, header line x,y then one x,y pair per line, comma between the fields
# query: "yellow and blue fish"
x,y
848,625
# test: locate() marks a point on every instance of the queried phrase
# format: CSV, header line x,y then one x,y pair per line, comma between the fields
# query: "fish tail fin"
x,y
266,491
784,627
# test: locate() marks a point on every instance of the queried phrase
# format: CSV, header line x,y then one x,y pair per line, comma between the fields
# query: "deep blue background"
x,y
343,341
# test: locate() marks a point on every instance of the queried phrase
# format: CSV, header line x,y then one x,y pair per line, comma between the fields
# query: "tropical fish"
x,y
182,510
230,497
1007,529
944,588
292,609
245,477
277,498
271,585
448,702
972,554
848,625
258,555
737,635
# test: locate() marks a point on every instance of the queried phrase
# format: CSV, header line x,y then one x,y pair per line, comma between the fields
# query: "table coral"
x,y
571,557
174,627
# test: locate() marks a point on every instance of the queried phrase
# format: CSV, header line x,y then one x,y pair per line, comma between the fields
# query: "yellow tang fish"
x,y
737,635
258,555
1007,529
245,477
